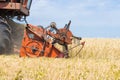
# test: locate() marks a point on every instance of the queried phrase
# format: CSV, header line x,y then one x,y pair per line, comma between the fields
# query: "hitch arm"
x,y
79,38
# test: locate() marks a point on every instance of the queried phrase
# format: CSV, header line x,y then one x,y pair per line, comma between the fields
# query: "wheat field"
x,y
99,60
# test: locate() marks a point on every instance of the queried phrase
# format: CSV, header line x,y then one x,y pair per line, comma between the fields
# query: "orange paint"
x,y
35,45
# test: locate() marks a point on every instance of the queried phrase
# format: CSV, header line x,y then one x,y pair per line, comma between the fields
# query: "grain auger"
x,y
39,41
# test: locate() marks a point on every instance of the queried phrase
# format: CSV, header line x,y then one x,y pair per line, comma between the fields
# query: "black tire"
x,y
6,44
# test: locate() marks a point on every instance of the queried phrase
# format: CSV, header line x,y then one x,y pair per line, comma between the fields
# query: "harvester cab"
x,y
12,8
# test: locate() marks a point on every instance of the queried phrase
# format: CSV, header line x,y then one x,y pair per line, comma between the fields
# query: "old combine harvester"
x,y
37,41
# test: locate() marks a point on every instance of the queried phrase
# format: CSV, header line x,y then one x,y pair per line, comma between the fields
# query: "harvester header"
x,y
39,41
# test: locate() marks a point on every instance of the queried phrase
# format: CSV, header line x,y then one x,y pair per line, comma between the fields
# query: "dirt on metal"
x,y
17,34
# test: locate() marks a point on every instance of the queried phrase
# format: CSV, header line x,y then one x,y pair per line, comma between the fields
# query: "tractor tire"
x,y
6,43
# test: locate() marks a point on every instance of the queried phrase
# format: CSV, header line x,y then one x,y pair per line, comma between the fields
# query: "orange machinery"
x,y
37,41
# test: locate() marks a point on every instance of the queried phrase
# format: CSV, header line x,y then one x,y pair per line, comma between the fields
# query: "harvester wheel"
x,y
33,49
6,45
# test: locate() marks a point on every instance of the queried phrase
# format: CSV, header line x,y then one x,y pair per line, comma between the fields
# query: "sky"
x,y
90,18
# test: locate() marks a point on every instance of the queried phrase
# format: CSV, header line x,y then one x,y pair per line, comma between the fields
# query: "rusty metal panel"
x,y
14,7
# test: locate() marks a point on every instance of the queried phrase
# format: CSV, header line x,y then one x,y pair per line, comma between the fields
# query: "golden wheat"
x,y
99,60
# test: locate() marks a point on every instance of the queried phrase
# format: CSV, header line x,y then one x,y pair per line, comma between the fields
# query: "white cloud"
x,y
84,13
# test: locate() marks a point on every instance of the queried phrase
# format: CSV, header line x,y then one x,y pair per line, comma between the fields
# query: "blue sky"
x,y
90,18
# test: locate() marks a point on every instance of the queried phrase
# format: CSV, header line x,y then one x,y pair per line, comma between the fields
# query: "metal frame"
x,y
14,8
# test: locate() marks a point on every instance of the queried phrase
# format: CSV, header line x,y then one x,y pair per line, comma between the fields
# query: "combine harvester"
x,y
37,41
